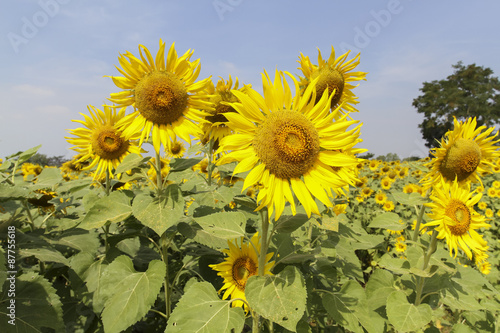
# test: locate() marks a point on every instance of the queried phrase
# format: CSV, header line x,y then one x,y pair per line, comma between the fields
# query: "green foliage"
x,y
138,259
471,91
201,310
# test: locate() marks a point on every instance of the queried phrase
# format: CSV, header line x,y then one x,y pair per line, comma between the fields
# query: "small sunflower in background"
x,y
380,198
101,141
290,145
167,99
334,75
215,126
386,183
455,219
466,152
241,263
388,206
176,150
42,198
28,169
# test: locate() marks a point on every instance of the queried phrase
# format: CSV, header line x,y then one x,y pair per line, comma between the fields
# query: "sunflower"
x,y
465,153
482,205
388,206
28,169
291,145
380,198
334,75
101,141
373,165
455,219
242,263
488,213
166,99
386,183
400,246
215,126
491,192
366,192
42,198
176,149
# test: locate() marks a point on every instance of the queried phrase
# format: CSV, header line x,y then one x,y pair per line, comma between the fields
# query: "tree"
x,y
44,160
471,91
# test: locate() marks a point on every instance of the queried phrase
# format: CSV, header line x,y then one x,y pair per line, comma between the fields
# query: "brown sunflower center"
x,y
330,79
243,268
287,143
161,97
460,214
461,160
108,144
176,148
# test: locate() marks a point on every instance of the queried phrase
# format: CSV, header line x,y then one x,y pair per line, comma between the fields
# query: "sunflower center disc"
x,y
460,214
243,268
461,160
108,144
287,143
330,79
161,97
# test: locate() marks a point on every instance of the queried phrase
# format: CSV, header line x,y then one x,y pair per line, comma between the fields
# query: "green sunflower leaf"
x,y
131,161
36,303
132,293
160,214
48,178
387,220
280,298
225,225
410,199
201,310
180,164
113,208
406,317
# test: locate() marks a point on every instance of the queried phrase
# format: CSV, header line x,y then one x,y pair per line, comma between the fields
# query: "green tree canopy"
x,y
471,91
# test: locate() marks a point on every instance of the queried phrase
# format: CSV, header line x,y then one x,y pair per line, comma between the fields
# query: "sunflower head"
x,y
333,75
455,219
168,101
466,152
101,141
241,263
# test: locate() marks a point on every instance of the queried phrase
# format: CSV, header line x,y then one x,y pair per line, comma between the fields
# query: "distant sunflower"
x,y
168,102
176,150
334,75
465,153
388,206
215,126
291,145
242,263
386,183
455,219
380,198
101,141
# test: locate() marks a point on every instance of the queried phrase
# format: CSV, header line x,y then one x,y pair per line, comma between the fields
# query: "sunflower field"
x,y
191,206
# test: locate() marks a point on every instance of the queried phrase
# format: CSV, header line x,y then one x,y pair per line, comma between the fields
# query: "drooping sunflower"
x,y
215,126
465,153
334,75
241,263
167,100
455,219
291,145
101,141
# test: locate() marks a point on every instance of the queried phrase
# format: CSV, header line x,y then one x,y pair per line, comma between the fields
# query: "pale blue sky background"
x,y
54,54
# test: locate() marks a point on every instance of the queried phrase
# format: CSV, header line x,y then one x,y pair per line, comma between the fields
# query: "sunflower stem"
x,y
209,166
31,222
416,232
159,180
107,187
264,246
427,256
164,245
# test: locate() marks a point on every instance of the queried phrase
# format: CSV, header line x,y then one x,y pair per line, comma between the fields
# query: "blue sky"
x,y
55,54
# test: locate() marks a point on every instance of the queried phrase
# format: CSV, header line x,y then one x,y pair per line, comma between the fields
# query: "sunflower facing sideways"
x,y
290,145
168,102
466,152
215,126
101,141
334,74
242,263
455,219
